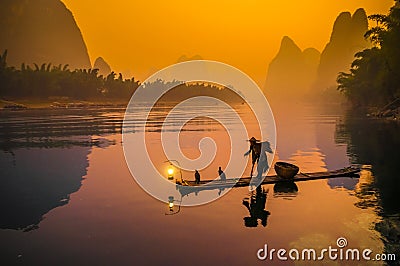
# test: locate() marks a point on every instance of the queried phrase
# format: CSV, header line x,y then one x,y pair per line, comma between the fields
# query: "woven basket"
x,y
286,170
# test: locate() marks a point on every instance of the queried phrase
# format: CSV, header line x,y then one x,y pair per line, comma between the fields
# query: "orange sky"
x,y
139,37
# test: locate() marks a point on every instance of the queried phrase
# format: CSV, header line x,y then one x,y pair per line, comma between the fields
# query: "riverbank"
x,y
61,102
391,111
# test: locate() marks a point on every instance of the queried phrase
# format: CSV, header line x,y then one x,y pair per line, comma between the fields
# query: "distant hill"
x,y
103,67
184,58
41,31
292,71
347,38
295,72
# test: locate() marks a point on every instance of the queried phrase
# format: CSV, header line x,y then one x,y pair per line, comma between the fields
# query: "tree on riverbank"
x,y
374,77
46,80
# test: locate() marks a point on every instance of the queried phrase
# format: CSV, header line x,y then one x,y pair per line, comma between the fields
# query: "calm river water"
x,y
67,196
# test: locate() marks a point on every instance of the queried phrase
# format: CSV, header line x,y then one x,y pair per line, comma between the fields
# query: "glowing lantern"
x,y
170,172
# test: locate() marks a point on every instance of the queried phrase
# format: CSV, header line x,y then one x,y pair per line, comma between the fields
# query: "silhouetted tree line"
x,y
47,80
181,91
374,78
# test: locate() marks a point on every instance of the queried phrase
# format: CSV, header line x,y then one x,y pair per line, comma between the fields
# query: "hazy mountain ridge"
x,y
103,67
185,58
347,39
292,70
41,31
296,72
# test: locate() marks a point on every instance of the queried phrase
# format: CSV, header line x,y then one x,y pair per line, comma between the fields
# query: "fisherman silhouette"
x,y
256,208
258,152
197,177
221,174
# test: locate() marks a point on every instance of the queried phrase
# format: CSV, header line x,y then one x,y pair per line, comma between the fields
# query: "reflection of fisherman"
x,y
197,177
221,174
256,208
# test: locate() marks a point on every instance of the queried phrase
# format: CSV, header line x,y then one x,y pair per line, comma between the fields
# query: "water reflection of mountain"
x,y
333,151
377,143
43,158
36,180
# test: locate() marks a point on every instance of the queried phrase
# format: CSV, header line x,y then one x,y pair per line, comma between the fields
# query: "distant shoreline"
x,y
64,103
17,104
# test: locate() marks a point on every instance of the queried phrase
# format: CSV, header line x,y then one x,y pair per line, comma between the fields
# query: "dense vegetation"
x,y
42,82
374,78
47,81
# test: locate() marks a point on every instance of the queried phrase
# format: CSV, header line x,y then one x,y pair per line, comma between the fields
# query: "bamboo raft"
x,y
186,187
